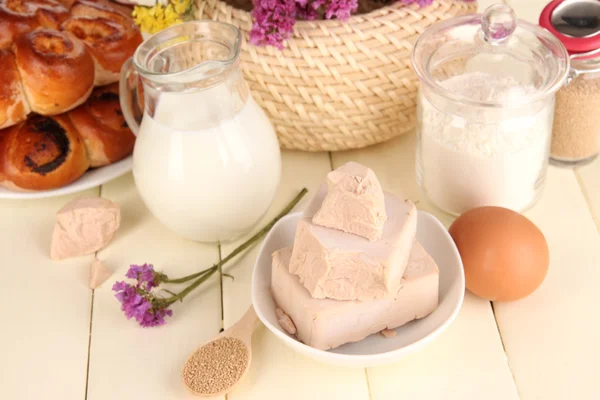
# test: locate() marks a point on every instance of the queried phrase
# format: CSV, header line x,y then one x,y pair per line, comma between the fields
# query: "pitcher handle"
x,y
131,96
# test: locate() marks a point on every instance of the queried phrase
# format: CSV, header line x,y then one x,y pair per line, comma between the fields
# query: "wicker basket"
x,y
338,85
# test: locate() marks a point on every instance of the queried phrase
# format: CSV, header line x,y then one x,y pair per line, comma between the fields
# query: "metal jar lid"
x,y
576,23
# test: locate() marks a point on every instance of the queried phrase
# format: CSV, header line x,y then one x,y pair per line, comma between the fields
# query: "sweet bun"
x,y
110,43
102,126
41,153
102,9
22,16
123,7
16,17
52,54
57,71
50,13
13,105
67,3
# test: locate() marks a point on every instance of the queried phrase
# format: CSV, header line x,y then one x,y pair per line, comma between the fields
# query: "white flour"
x,y
483,156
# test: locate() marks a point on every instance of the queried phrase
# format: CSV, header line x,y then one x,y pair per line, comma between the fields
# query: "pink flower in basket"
x,y
274,20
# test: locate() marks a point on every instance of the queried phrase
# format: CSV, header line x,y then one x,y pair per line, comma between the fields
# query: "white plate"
x,y
92,178
375,349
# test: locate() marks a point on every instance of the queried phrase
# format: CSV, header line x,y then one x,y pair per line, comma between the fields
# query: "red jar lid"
x,y
576,23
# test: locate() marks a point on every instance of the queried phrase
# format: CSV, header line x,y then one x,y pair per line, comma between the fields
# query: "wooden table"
x,y
61,340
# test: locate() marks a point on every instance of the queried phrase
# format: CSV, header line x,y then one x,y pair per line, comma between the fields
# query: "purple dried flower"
x,y
340,9
305,11
316,4
156,318
144,274
141,304
273,22
421,3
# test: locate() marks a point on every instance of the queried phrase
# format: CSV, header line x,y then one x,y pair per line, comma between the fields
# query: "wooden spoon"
x,y
217,367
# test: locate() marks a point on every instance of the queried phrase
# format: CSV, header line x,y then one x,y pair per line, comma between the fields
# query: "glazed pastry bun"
x,y
110,43
101,9
102,126
57,70
67,3
22,16
13,105
41,153
50,13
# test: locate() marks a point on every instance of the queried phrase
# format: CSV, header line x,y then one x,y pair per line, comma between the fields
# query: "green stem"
x,y
188,278
258,235
248,243
181,295
220,269
205,274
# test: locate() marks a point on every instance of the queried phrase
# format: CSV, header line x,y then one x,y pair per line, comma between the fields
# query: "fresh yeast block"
x,y
325,324
84,226
354,202
343,266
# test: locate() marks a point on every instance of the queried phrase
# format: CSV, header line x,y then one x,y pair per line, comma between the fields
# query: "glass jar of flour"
x,y
485,109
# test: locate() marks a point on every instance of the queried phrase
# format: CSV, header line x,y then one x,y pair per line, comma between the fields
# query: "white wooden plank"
x,y
551,337
46,306
589,180
277,372
467,361
126,360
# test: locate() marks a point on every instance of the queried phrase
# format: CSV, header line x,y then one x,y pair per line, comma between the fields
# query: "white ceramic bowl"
x,y
375,349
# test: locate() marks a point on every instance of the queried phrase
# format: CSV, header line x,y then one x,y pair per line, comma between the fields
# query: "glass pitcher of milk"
x,y
206,160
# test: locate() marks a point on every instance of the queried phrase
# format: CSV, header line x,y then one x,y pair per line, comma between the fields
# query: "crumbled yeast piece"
x,y
285,321
99,273
354,202
388,333
84,226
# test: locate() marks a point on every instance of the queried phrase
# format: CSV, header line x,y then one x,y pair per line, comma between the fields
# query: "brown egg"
x,y
504,254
